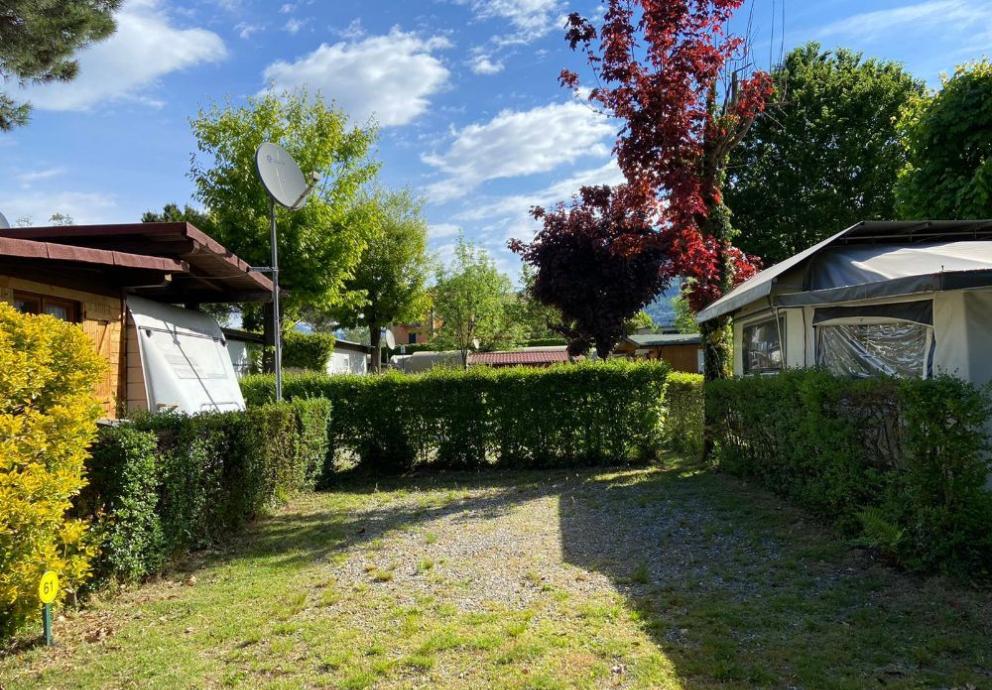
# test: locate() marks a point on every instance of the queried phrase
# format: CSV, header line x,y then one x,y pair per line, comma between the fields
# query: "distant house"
x,y
123,285
349,358
683,352
417,332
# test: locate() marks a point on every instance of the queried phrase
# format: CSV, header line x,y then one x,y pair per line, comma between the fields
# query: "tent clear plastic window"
x,y
763,351
867,349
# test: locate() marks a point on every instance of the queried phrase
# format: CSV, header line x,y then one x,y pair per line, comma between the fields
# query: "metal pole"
x,y
276,320
46,619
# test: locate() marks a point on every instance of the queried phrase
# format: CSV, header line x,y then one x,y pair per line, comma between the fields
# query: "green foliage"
x,y
639,322
948,141
685,319
307,350
900,464
684,413
123,495
48,413
38,39
164,485
534,320
391,275
824,155
590,413
471,298
318,247
171,213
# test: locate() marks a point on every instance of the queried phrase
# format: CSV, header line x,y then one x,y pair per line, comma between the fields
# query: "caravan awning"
x,y
876,259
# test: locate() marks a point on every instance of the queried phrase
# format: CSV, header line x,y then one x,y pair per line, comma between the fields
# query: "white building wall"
x,y
347,362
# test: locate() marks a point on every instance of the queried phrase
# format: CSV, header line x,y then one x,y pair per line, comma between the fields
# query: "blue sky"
x,y
465,91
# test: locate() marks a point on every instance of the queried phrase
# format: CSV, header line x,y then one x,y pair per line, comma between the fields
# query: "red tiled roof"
x,y
520,357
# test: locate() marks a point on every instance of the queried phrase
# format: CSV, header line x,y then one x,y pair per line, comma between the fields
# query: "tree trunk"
x,y
375,338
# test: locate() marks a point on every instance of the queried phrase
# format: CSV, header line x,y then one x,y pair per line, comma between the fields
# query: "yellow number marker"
x,y
48,588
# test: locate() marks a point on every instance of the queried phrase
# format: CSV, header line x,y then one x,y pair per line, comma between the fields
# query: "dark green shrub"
x,y
163,485
590,413
684,413
901,465
307,350
123,494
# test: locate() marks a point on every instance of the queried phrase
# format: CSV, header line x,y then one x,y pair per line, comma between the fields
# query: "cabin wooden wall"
x,y
101,320
137,394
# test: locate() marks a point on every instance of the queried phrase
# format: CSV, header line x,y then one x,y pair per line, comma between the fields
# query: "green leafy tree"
x,y
685,319
948,141
825,154
391,275
171,213
37,41
638,322
470,298
319,246
531,319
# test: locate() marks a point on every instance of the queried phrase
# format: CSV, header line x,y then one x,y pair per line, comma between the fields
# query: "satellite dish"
x,y
281,176
475,343
4,225
390,340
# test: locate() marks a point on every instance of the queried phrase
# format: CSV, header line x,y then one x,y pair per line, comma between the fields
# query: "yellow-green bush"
x,y
48,410
684,413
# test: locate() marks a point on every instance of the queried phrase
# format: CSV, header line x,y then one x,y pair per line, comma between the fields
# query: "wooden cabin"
x,y
85,273
682,351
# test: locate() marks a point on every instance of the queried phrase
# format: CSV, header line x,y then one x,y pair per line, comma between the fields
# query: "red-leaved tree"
x,y
683,89
599,262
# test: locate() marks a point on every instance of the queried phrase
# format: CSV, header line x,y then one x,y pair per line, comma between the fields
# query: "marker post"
x,y
48,590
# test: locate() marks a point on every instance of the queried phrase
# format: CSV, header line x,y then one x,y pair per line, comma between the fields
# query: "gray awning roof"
x,y
662,339
871,233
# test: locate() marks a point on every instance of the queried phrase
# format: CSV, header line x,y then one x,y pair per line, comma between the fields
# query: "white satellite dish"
x,y
286,185
390,340
476,343
282,177
4,225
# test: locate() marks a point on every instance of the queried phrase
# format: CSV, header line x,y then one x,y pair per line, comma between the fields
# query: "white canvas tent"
x,y
910,298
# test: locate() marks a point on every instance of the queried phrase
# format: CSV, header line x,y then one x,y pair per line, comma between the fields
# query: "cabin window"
x,y
31,303
763,349
413,339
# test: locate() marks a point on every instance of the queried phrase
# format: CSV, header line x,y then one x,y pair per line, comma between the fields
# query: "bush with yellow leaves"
x,y
48,413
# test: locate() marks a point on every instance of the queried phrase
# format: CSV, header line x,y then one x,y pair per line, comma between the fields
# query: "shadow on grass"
x,y
738,589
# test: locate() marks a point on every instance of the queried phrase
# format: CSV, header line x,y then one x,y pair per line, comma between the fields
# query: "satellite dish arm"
x,y
314,179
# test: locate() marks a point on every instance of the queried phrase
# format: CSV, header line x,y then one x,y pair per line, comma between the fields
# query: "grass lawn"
x,y
671,578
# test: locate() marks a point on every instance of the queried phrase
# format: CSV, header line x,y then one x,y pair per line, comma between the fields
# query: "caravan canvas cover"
x,y
184,359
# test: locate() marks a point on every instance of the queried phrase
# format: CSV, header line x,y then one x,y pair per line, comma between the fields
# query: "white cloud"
x,y
922,17
29,177
391,77
437,231
530,19
246,30
287,8
516,143
146,47
82,207
483,64
294,25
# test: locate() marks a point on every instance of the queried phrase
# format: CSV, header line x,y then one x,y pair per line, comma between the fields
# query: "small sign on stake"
x,y
48,590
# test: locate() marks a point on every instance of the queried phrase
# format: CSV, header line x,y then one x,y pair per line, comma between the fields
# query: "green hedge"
x,y
684,413
163,485
900,464
590,413
307,350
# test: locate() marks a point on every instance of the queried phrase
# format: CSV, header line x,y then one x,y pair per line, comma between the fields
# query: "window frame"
x,y
72,307
780,331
